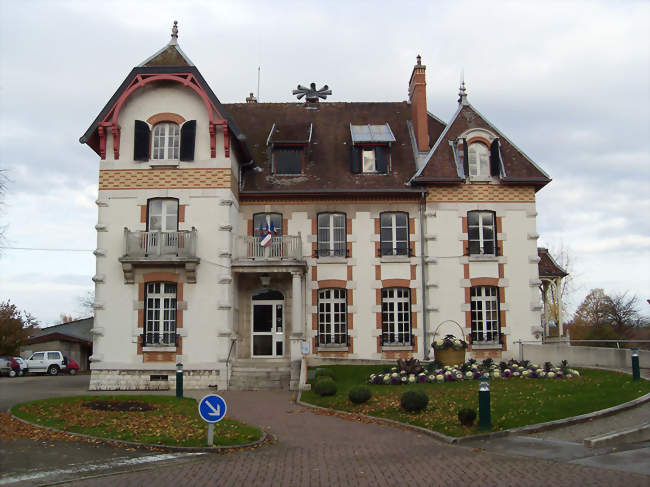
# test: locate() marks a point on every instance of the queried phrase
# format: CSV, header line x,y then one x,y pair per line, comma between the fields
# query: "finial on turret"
x,y
419,59
462,92
174,39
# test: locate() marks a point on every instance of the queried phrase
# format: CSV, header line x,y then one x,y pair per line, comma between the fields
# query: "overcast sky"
x,y
568,82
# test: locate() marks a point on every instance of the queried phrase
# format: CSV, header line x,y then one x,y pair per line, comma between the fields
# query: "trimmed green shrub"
x,y
467,416
414,401
359,394
323,373
325,386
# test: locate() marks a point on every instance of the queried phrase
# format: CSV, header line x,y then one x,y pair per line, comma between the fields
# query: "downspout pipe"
x,y
423,273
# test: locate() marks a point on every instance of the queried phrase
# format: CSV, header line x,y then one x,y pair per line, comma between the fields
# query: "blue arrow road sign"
x,y
212,408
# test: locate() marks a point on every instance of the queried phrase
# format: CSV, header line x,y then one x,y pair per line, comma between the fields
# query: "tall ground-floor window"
x,y
396,316
485,314
332,317
160,312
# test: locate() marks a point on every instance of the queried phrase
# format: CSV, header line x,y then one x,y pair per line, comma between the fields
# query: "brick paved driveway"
x,y
318,450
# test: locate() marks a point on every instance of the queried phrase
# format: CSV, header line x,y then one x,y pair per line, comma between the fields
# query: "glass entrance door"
x,y
267,329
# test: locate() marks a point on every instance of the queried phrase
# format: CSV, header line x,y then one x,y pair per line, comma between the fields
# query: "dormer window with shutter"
x,y
481,156
164,143
370,151
289,145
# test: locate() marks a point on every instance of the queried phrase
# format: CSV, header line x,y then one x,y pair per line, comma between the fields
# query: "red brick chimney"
x,y
418,100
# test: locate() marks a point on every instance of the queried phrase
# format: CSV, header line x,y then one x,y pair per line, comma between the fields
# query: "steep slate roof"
x,y
440,166
327,167
547,265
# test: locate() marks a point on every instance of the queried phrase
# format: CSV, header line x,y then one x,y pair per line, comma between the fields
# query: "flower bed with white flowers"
x,y
472,370
544,393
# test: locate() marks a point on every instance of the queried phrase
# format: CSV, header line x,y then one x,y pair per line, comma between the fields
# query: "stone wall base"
x,y
154,380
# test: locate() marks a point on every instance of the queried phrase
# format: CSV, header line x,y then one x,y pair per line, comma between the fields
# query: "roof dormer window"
x,y
288,160
370,152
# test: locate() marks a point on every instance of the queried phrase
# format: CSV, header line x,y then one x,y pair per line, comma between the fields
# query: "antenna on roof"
x,y
174,39
462,92
259,68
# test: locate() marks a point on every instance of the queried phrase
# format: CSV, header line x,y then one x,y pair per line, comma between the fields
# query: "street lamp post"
x,y
179,379
636,373
484,416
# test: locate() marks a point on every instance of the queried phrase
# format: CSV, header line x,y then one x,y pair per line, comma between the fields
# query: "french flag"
x,y
266,241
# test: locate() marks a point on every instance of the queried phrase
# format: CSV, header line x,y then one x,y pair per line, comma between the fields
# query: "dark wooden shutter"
x,y
141,141
188,135
355,159
465,158
381,158
495,159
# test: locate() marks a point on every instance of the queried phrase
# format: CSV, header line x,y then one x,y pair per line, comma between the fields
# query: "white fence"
x,y
578,356
280,247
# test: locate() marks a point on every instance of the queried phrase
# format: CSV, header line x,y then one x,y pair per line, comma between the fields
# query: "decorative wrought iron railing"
x,y
159,339
399,339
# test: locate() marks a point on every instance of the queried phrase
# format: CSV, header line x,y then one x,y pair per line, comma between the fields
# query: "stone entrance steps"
x,y
260,375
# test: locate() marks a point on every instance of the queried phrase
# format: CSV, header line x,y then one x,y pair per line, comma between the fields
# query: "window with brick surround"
x,y
481,229
332,317
394,233
331,235
485,314
160,314
396,316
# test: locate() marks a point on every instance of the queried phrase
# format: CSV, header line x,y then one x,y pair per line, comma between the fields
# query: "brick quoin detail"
x,y
165,117
181,213
143,213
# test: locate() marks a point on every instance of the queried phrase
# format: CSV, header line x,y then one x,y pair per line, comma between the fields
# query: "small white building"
x,y
236,238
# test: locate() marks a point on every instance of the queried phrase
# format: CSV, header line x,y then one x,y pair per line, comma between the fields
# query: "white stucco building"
x,y
238,238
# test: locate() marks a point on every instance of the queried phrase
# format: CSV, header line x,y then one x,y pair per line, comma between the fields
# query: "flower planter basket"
x,y
449,356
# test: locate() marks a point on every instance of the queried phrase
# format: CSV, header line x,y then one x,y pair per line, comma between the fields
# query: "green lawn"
x,y
173,421
515,402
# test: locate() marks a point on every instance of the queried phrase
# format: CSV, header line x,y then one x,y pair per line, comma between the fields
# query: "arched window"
x,y
479,160
166,142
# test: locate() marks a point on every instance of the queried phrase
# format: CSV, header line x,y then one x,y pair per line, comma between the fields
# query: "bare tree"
x,y
86,302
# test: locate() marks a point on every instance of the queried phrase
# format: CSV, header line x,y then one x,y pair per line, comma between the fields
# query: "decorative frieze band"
x,y
164,178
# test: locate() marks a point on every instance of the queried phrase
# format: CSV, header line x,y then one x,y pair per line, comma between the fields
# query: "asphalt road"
x,y
14,390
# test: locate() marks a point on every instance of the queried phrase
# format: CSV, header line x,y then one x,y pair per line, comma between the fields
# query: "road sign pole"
x,y
210,434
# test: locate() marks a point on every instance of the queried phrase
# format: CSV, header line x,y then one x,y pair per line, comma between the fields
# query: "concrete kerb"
x,y
533,428
205,449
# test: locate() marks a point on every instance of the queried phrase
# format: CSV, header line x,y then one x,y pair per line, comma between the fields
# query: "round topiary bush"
x,y
466,416
359,394
325,386
323,373
414,401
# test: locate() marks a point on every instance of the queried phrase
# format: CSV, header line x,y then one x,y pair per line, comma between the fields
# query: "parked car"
x,y
50,362
8,366
71,365
22,364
